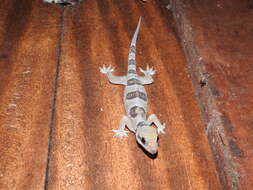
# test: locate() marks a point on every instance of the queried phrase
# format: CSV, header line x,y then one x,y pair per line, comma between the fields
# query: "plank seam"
x,y
54,99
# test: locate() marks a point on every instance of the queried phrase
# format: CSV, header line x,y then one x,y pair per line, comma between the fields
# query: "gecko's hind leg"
x,y
125,121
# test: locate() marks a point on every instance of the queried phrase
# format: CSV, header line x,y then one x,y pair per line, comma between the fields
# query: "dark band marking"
x,y
132,49
133,82
136,94
131,62
133,111
132,71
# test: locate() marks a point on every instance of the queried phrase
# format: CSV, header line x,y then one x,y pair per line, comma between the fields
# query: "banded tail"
x,y
131,56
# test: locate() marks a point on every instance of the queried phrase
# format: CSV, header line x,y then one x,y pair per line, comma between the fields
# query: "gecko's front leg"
x,y
125,121
113,79
153,119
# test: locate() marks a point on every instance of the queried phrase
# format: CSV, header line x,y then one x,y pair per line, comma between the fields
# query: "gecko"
x,y
62,2
67,2
135,102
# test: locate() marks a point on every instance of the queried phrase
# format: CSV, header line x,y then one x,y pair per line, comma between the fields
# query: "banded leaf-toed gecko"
x,y
135,101
63,2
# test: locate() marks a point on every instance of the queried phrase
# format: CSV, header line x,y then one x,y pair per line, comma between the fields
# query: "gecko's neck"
x,y
140,120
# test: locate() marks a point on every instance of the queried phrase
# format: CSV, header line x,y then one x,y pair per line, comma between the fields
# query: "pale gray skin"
x,y
135,101
63,2
67,2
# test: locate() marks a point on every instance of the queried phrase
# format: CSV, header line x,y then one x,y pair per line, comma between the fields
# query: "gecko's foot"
x,y
161,128
106,70
148,71
120,133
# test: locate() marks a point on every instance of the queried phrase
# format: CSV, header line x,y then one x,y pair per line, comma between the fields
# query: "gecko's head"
x,y
147,137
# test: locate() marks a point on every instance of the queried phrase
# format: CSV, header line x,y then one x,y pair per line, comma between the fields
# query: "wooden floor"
x,y
57,110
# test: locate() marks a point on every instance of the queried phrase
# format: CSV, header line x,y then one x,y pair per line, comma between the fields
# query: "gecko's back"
x,y
135,97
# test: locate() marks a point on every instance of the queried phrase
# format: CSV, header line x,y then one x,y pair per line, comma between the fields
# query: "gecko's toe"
x,y
120,133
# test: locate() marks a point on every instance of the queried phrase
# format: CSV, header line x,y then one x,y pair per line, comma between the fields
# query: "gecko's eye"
x,y
157,139
143,140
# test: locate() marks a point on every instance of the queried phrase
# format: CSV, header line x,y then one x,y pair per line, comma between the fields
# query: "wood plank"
x,y
85,155
29,32
218,39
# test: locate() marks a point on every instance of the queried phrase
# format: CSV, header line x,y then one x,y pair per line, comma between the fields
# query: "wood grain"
x,y
28,50
85,155
217,37
57,110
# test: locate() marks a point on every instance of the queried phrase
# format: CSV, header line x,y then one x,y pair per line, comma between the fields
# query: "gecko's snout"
x,y
153,150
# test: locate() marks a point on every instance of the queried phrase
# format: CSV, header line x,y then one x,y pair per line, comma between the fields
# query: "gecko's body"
x,y
135,101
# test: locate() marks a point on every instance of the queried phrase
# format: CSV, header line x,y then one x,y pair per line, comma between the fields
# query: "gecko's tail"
x,y
131,56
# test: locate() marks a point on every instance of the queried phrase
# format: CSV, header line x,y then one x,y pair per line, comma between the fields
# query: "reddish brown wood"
x,y
85,154
34,38
28,51
218,39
